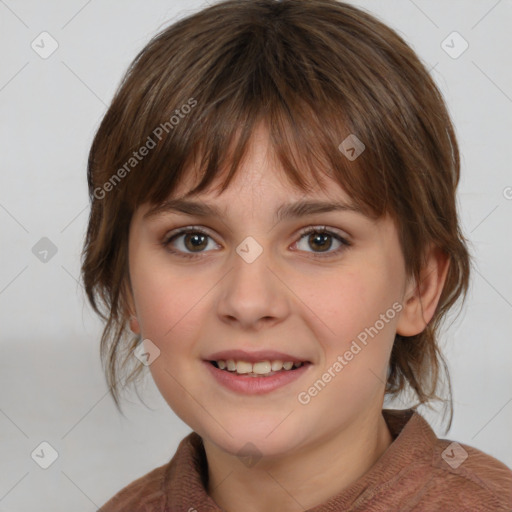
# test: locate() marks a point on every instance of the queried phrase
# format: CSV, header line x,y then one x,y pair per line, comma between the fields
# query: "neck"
x,y
308,478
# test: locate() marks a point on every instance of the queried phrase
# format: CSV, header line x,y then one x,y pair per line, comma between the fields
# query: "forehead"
x,y
269,179
261,174
260,184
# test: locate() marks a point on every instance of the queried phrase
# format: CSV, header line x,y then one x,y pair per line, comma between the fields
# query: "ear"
x,y
421,299
129,307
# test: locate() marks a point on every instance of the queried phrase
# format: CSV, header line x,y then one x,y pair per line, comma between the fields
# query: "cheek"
x,y
165,299
358,311
350,302
170,310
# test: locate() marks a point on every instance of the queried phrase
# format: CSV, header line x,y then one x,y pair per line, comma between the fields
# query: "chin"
x,y
254,441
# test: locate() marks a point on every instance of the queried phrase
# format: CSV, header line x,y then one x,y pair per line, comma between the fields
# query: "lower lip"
x,y
255,385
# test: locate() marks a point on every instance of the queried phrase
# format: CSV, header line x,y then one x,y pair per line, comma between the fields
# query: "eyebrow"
x,y
285,211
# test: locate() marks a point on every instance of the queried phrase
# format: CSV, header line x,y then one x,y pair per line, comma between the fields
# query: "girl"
x,y
273,194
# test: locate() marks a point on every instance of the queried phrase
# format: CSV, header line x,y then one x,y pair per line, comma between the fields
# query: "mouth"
x,y
258,377
266,368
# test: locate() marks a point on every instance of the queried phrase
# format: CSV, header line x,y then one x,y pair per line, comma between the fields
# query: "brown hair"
x,y
315,71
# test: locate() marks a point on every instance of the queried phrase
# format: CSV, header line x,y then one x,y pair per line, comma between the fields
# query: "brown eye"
x,y
321,241
195,241
189,242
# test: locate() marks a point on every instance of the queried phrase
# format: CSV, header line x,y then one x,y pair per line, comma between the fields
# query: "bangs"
x,y
306,113
209,152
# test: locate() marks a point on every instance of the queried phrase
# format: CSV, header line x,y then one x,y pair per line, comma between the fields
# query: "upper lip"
x,y
254,357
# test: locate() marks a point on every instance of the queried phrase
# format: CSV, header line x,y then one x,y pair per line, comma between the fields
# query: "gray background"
x,y
51,385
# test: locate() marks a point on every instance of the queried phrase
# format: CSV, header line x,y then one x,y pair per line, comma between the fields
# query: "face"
x,y
245,281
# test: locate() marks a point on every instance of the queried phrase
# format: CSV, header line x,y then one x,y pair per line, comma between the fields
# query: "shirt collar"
x,y
185,481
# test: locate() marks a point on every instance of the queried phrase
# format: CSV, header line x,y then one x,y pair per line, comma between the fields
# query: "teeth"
x,y
259,368
276,365
243,367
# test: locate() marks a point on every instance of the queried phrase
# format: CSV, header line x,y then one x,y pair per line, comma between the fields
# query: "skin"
x,y
286,300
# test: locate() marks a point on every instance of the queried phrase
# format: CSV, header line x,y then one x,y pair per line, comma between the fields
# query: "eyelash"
x,y
306,231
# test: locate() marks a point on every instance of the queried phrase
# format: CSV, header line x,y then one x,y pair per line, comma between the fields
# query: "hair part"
x,y
314,72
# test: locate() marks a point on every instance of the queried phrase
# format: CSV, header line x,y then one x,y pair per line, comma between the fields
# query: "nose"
x,y
253,294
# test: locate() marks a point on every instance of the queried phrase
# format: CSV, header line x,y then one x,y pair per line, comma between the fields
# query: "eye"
x,y
321,238
195,240
192,241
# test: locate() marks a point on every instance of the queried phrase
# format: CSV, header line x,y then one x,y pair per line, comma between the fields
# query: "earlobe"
x,y
130,310
134,325
421,299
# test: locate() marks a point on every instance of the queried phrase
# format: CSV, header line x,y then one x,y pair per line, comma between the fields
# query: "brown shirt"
x,y
418,472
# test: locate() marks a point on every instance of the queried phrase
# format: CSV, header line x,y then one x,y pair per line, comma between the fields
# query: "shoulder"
x,y
142,495
470,477
179,483
424,473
